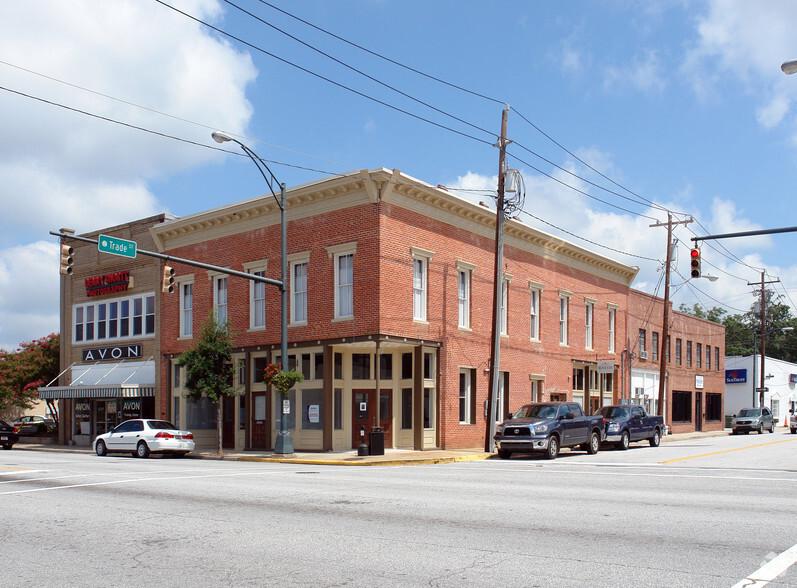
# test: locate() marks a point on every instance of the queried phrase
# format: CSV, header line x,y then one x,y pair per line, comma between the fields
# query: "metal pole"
x,y
284,443
755,395
665,327
762,375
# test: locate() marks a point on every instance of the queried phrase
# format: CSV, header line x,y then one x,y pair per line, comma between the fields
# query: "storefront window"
x,y
200,414
312,410
83,417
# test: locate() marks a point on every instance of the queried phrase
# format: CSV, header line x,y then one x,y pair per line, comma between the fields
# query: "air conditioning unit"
x,y
643,355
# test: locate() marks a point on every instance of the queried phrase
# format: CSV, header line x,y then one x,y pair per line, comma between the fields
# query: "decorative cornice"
x,y
370,186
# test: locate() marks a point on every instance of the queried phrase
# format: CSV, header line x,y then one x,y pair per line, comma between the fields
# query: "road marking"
x,y
725,451
136,480
771,570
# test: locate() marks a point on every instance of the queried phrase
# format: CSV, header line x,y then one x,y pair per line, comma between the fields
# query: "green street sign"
x,y
116,246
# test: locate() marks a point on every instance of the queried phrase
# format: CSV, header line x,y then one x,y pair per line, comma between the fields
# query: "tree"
x,y
209,369
33,364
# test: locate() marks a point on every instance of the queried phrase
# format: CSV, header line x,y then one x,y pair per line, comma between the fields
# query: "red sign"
x,y
107,284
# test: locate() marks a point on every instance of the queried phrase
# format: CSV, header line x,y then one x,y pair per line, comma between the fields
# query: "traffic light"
x,y
695,261
168,279
67,259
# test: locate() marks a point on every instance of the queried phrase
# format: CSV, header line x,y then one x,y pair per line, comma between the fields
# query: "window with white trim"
x,y
589,312
220,299
186,309
343,259
419,270
612,328
467,413
504,305
564,303
113,320
299,292
463,297
534,313
257,294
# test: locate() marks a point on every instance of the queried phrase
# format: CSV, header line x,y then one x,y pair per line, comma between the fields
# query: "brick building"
x,y
110,336
694,356
390,289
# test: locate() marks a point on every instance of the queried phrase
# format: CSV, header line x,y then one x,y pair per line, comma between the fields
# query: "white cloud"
x,y
643,73
63,168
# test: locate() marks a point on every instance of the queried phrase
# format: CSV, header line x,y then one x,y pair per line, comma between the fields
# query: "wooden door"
x,y
361,411
228,422
259,420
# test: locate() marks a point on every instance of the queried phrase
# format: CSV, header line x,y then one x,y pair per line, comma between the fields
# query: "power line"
x,y
324,78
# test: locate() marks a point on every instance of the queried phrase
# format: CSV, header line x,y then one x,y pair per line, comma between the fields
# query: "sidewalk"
x,y
392,457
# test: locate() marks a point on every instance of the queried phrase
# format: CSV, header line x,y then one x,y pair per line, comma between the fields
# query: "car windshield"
x,y
750,412
539,411
613,412
161,425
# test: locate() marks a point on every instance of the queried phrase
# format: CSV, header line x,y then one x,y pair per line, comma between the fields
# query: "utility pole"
x,y
763,314
665,327
495,354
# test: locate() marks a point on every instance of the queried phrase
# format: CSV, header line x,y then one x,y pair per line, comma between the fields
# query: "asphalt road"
x,y
699,512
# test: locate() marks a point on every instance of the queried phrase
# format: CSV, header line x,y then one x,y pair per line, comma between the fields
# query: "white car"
x,y
144,436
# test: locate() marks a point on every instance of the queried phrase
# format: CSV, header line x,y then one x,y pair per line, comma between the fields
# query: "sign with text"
x,y
116,246
606,366
736,376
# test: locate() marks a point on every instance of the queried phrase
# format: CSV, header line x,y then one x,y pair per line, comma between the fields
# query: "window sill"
x,y
298,324
343,319
420,321
465,329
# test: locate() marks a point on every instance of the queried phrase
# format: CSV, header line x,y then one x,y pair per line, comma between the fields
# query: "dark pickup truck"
x,y
545,427
629,422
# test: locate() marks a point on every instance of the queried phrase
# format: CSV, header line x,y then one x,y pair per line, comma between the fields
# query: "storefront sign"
x,y
112,353
313,413
736,376
107,284
131,409
606,366
792,378
698,382
83,418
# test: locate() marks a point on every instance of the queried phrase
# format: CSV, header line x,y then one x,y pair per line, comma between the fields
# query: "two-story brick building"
x,y
694,356
390,289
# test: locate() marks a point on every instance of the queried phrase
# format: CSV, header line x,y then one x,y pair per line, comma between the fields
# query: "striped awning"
x,y
58,392
124,379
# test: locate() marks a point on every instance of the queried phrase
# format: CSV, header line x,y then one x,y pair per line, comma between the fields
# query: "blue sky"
x,y
670,105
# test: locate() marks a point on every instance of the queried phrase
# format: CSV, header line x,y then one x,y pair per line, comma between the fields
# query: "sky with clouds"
x,y
620,112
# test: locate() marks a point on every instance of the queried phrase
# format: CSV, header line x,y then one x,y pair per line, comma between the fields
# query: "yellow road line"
x,y
725,451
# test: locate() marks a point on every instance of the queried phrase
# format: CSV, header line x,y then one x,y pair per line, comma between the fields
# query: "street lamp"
x,y
789,67
284,443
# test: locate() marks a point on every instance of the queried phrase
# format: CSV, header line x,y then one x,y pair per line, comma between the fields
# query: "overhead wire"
x,y
324,78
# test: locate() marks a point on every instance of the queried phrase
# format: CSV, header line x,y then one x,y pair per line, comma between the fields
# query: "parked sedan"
x,y
141,437
753,419
8,435
33,425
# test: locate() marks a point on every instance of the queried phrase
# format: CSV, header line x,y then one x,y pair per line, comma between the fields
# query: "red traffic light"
x,y
695,252
695,263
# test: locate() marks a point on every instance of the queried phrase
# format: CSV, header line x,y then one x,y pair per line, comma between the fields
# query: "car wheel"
x,y
594,444
760,428
142,450
100,448
7,446
734,432
772,427
553,448
625,441
656,439
793,431
504,453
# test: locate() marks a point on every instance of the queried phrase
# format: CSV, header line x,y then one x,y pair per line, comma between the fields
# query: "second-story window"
x,y
419,265
654,346
463,298
612,328
220,299
299,292
186,309
534,312
589,308
563,308
643,352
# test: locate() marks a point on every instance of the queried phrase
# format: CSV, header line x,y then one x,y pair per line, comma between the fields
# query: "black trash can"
x,y
377,441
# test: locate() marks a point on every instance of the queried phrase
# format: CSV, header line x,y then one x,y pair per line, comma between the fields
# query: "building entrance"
x,y
364,415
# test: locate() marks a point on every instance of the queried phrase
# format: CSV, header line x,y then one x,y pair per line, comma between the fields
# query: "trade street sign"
x,y
116,246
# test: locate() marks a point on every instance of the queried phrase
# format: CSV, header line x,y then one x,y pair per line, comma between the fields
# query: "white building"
x,y
742,378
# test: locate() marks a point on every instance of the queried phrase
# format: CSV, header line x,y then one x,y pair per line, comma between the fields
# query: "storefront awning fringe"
x,y
59,392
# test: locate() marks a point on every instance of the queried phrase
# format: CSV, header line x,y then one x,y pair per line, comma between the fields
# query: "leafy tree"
x,y
33,364
740,328
209,369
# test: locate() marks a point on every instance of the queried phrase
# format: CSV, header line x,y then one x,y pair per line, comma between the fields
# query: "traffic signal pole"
x,y
191,262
